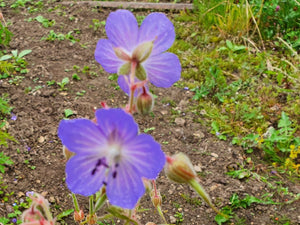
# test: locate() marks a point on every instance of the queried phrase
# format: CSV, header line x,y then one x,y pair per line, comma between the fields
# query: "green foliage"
x,y
5,109
229,17
275,142
64,214
4,160
236,202
4,221
279,17
5,35
19,3
63,83
68,113
45,22
97,24
60,37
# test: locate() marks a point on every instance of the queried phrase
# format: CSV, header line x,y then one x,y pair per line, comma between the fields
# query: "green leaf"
x,y
229,44
15,53
24,52
64,214
65,81
284,122
5,57
68,112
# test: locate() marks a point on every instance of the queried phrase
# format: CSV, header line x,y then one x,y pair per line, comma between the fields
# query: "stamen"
x,y
100,162
114,174
104,182
94,171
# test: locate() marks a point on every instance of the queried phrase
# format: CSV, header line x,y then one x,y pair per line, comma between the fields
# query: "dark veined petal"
x,y
105,55
124,188
159,28
145,155
81,136
122,29
81,179
163,70
117,120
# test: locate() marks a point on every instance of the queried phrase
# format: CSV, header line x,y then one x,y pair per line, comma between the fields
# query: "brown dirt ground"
x,y
39,113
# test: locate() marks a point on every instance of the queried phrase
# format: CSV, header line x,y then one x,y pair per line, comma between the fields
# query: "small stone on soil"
x,y
180,121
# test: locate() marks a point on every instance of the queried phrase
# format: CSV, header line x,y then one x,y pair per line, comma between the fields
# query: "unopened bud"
x,y
67,154
91,219
180,169
142,52
78,216
156,198
145,102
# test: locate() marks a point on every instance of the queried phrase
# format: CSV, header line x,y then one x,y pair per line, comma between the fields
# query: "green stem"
x,y
161,214
75,202
131,83
199,189
100,202
91,205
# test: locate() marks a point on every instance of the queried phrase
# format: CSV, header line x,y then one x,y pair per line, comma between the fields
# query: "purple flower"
x,y
13,117
14,220
144,45
277,8
110,152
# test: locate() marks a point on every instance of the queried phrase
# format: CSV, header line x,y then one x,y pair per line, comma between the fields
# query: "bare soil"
x,y
39,166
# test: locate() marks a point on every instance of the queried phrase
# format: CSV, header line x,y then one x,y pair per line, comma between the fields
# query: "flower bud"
x,y
144,102
156,198
78,216
277,8
180,169
91,219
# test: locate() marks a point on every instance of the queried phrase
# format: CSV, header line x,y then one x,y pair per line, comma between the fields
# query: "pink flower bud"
x,y
180,169
91,219
277,8
156,198
78,216
144,102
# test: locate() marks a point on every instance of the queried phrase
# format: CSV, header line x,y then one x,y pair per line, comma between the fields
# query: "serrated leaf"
x,y
284,122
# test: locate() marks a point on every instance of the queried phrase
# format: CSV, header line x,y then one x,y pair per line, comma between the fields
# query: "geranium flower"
x,y
144,45
110,152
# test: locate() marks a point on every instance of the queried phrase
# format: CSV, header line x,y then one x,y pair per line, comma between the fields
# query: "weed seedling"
x,y
63,83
